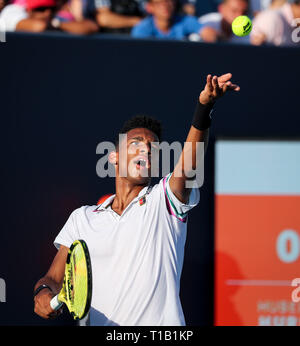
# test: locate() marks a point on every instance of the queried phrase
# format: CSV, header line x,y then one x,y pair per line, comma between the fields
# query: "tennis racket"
x,y
76,291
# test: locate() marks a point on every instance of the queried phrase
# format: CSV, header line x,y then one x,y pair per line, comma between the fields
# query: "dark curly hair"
x,y
141,121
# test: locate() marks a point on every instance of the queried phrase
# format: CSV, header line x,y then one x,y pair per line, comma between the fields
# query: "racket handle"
x,y
55,303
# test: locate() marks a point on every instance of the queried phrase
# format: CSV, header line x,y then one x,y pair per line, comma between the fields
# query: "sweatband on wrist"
x,y
202,118
38,290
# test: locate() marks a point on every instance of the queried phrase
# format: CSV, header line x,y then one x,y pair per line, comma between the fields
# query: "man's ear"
x,y
112,158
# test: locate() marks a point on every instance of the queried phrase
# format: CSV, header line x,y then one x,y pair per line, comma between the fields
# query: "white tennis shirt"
x,y
136,258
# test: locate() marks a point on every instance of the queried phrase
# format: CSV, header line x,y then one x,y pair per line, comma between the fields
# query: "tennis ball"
x,y
242,26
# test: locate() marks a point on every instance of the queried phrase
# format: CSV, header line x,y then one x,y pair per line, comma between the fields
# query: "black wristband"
x,y
202,118
38,290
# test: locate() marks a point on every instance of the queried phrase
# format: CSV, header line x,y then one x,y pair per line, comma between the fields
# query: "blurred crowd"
x,y
275,22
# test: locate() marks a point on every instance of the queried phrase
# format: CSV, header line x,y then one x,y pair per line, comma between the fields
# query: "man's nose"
x,y
145,149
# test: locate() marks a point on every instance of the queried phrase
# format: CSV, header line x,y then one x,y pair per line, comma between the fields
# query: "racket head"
x,y
76,292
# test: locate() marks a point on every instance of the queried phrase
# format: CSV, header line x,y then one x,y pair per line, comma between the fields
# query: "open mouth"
x,y
141,162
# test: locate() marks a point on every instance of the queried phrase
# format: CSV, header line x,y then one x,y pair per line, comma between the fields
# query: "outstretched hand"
x,y
216,87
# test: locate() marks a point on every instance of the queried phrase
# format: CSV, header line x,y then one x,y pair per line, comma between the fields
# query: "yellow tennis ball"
x,y
242,26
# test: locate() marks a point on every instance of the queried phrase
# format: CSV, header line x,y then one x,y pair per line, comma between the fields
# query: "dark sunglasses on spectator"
x,y
43,8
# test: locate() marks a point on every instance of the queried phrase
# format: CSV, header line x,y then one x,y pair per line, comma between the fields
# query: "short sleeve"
x,y
69,233
212,20
192,25
11,15
142,29
174,205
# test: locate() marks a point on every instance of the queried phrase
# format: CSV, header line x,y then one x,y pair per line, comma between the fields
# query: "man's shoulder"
x,y
158,188
213,17
143,28
84,211
146,22
13,9
11,15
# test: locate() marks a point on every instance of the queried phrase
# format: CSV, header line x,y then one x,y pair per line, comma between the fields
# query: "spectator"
x,y
118,16
277,26
35,17
40,15
188,7
216,26
77,17
163,22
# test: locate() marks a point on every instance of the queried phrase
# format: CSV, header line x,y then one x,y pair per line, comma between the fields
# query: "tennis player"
x,y
136,237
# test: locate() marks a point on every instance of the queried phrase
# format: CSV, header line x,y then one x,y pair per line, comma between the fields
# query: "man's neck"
x,y
163,25
125,193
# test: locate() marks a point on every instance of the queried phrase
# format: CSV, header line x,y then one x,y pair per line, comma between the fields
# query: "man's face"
x,y
232,9
137,165
161,9
42,13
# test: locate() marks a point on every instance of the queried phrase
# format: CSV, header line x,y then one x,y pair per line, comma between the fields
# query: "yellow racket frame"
x,y
76,291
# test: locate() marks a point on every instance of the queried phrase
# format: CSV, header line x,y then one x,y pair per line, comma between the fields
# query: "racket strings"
x,y
76,292
78,286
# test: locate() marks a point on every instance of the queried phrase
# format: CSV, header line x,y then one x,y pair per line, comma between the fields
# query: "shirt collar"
x,y
109,200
